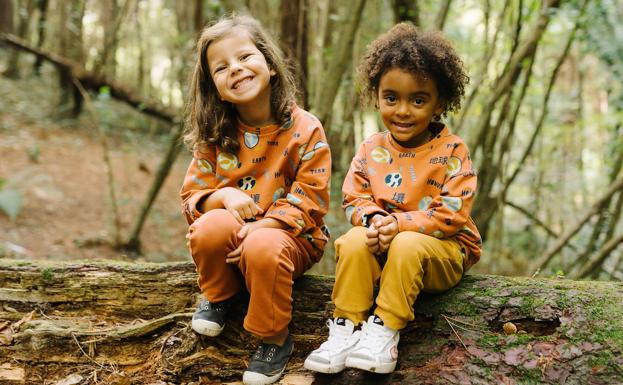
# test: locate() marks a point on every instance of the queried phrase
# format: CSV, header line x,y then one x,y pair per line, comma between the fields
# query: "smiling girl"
x,y
256,189
408,194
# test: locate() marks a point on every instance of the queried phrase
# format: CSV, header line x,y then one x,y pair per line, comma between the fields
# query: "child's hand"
x,y
388,229
373,234
240,205
373,239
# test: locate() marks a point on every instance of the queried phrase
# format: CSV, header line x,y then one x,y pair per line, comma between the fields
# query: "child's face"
x,y
407,104
239,70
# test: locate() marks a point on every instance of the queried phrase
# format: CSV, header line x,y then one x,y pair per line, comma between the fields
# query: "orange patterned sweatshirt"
x,y
428,189
285,169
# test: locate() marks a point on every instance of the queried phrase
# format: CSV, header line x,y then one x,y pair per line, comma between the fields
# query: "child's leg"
x,y
271,259
211,238
415,262
355,274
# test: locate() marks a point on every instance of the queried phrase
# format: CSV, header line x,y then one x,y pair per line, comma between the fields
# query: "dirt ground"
x,y
57,166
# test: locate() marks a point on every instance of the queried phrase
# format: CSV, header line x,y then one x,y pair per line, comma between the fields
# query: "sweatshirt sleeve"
x,y
448,212
358,201
308,200
200,181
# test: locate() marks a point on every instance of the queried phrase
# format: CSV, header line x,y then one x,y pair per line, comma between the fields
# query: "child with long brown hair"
x,y
408,194
256,189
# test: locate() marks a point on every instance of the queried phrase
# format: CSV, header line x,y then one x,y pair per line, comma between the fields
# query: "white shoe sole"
x,y
207,328
323,368
252,378
370,366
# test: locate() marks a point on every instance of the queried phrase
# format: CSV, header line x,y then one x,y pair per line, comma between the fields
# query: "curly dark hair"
x,y
427,54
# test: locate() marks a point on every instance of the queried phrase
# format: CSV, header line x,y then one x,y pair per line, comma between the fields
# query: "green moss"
x,y
490,340
47,274
529,376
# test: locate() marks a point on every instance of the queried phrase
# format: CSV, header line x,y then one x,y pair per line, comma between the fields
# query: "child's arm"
x,y
308,199
358,200
201,194
449,211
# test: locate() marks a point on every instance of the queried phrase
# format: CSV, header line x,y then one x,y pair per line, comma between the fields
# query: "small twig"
x,y
466,329
455,333
456,320
536,273
86,355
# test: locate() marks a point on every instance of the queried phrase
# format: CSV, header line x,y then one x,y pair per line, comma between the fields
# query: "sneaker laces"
x,y
207,305
374,336
267,355
338,335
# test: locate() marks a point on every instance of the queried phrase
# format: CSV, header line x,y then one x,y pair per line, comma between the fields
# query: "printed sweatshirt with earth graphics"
x,y
284,169
429,189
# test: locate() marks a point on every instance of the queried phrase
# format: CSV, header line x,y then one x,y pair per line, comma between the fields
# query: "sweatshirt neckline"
x,y
264,130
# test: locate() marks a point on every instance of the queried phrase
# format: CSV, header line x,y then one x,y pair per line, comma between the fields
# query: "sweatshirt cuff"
x,y
191,210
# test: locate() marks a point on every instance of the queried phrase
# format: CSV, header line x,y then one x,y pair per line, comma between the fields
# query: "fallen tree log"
x,y
93,82
121,323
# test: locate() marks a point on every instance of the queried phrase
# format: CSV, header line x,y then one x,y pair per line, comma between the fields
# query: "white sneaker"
x,y
330,357
377,349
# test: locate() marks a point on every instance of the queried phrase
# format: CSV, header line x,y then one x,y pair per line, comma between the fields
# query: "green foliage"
x,y
10,203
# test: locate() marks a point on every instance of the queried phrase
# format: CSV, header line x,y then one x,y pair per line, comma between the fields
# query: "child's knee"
x,y
212,228
262,251
408,247
351,244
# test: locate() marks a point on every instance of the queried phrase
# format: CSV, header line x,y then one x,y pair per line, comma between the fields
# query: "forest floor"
x,y
57,168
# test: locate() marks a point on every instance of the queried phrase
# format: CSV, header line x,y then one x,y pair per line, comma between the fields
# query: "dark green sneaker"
x,y
209,318
268,363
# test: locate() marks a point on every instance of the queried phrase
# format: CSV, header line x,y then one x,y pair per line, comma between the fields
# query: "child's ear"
x,y
439,110
272,72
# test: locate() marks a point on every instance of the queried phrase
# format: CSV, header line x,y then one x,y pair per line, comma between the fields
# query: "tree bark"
x,y
119,323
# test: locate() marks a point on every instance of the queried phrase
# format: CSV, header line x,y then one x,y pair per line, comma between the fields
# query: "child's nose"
x,y
235,68
403,109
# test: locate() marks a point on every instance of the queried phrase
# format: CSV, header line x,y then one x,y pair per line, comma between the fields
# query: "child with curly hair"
x,y
408,194
256,190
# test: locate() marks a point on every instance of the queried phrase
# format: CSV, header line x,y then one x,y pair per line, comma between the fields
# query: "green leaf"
x,y
10,203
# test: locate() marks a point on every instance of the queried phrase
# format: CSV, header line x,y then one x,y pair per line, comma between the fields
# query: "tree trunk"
x,y
24,9
42,5
120,323
294,29
72,12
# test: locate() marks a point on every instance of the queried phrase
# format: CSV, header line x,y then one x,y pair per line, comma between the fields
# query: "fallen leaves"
x,y
8,330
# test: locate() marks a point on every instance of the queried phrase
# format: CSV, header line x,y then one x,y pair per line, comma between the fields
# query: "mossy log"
x,y
120,323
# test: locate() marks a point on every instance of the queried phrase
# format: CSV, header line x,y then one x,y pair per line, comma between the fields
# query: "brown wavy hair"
x,y
427,54
212,121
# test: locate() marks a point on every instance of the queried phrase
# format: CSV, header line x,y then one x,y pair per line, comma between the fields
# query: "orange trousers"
x,y
271,259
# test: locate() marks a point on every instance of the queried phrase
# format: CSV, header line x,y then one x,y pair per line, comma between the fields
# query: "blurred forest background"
x,y
92,97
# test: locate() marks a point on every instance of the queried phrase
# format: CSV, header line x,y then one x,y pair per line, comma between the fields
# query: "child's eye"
x,y
418,101
219,69
245,56
390,99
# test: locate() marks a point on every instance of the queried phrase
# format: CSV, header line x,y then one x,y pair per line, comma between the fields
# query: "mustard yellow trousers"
x,y
415,262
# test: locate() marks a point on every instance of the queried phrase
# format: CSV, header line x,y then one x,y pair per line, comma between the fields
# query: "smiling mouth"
x,y
240,83
403,125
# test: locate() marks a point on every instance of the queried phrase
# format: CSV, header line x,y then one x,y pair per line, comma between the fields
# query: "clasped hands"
x,y
381,233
